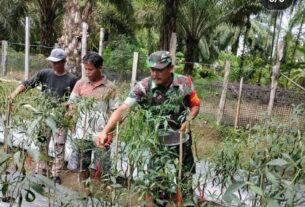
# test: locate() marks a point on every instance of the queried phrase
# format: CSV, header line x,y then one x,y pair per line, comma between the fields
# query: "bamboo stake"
x,y
274,80
7,124
102,35
115,157
179,198
84,45
224,93
134,69
27,49
180,156
238,104
4,58
296,84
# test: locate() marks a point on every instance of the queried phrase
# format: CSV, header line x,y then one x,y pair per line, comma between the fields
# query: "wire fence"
x,y
254,99
253,106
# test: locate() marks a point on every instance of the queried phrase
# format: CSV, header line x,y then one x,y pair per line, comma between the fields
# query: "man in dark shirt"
x,y
59,83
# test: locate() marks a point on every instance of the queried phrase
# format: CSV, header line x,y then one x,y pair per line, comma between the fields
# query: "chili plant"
x,y
268,167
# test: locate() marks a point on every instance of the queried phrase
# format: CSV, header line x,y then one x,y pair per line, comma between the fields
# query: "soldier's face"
x,y
162,77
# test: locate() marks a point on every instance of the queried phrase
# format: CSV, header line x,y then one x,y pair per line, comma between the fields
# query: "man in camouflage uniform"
x,y
163,87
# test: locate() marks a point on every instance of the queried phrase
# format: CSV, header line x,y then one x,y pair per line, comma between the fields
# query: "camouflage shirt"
x,y
172,102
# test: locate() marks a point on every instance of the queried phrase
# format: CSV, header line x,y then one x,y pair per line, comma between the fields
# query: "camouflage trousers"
x,y
59,140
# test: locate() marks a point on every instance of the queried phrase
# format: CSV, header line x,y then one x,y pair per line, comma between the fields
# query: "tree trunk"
x,y
236,43
191,55
47,36
169,25
240,71
70,40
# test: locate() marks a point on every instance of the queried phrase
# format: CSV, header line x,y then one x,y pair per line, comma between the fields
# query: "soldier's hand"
x,y
185,127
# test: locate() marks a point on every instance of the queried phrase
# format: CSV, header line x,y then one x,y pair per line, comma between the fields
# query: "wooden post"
x,y
7,125
27,48
173,46
134,69
224,92
102,35
4,58
274,80
238,104
84,45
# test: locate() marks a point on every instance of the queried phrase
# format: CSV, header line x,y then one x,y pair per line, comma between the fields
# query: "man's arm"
x,y
115,117
19,89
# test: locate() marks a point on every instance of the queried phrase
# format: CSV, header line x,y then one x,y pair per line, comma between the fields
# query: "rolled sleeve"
x,y
114,103
130,101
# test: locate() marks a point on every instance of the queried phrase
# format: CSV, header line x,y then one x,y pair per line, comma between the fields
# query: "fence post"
x,y
274,79
84,45
173,46
4,58
27,48
134,69
224,92
102,34
238,104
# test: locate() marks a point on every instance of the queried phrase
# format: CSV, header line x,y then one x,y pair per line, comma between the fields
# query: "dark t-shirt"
x,y
58,86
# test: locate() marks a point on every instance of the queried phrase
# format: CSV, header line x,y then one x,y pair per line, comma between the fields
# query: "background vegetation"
x,y
266,163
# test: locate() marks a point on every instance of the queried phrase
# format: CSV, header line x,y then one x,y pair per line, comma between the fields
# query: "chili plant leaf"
x,y
44,180
4,188
29,106
271,177
51,123
272,203
256,190
33,125
277,162
38,188
3,157
17,159
231,190
29,196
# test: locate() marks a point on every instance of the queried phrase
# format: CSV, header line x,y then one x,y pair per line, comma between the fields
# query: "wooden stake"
x,y
274,80
238,104
134,69
102,34
27,48
224,92
84,45
4,58
7,125
179,198
115,157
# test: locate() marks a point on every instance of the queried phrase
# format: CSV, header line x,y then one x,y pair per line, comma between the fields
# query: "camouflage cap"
x,y
159,60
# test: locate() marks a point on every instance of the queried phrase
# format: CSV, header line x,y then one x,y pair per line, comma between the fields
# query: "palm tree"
x,y
116,16
12,17
50,12
148,19
196,18
169,22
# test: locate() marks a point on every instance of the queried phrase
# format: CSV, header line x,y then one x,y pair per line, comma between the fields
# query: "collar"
x,y
103,81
